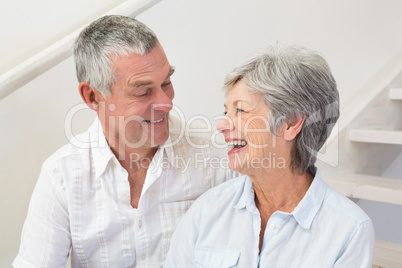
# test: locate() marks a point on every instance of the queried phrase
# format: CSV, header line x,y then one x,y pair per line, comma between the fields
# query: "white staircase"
x,y
395,94
387,254
367,145
367,187
376,136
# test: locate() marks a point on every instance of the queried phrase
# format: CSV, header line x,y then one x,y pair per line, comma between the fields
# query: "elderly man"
x,y
116,201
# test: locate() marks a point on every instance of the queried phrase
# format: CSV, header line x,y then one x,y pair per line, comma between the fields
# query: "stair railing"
x,y
49,57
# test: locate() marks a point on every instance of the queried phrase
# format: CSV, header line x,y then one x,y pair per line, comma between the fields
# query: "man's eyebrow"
x,y
147,83
171,71
141,83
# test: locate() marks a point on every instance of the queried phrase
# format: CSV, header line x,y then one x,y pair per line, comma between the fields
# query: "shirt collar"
x,y
170,152
305,211
171,147
101,151
155,169
308,207
246,199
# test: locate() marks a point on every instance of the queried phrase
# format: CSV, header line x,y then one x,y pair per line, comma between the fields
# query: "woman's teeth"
x,y
237,144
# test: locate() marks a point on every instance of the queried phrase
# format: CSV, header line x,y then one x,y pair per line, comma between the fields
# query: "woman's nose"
x,y
225,125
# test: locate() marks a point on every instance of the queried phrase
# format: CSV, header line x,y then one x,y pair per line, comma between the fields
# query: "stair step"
x,y
376,136
387,254
395,93
367,187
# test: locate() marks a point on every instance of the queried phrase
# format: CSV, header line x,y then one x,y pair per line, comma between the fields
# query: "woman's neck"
x,y
279,190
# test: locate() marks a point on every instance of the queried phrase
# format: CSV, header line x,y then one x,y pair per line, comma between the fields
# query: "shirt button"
x,y
140,224
143,256
272,226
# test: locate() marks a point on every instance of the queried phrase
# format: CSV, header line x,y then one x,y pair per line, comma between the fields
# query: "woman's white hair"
x,y
105,38
294,82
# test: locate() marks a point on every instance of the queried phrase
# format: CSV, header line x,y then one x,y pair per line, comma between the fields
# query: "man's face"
x,y
136,114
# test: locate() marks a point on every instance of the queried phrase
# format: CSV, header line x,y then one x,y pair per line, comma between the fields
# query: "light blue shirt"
x,y
222,227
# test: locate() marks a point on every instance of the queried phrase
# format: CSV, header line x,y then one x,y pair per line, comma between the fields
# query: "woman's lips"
x,y
235,145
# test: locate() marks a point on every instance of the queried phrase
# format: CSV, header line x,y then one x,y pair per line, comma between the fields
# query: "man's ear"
x,y
293,127
89,95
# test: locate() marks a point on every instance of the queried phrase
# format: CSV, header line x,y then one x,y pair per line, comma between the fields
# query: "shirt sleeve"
x,y
45,239
181,249
359,250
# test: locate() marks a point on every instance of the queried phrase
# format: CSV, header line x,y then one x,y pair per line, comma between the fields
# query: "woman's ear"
x,y
89,95
293,127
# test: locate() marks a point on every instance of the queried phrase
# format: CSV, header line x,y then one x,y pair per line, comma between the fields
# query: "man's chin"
x,y
158,141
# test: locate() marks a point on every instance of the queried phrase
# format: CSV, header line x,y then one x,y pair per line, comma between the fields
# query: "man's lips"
x,y
160,120
154,121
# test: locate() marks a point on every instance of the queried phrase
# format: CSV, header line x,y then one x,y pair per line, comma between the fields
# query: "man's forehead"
x,y
144,82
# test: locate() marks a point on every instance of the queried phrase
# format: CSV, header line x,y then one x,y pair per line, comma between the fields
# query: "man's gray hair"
x,y
294,82
105,38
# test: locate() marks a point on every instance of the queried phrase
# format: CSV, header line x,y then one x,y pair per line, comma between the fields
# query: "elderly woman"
x,y
279,110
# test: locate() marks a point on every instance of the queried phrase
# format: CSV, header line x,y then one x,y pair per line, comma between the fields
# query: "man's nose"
x,y
163,102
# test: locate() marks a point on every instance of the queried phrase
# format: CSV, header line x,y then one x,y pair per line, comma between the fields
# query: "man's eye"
x,y
167,83
144,94
239,110
225,113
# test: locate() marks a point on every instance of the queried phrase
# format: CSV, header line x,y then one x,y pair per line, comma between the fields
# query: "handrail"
x,y
18,76
377,84
329,152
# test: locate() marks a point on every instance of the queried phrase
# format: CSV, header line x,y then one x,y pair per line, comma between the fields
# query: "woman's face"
x,y
246,130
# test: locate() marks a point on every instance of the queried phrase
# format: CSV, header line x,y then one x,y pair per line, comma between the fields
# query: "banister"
x,y
18,76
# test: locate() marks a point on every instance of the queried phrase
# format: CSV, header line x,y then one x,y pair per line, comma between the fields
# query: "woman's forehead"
x,y
240,94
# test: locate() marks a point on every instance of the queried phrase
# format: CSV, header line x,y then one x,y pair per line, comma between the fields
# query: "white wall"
x,y
30,26
204,39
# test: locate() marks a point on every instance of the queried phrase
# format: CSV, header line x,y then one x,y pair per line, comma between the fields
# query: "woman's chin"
x,y
238,167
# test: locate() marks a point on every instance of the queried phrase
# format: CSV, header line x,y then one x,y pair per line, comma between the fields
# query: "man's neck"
x,y
135,159
136,162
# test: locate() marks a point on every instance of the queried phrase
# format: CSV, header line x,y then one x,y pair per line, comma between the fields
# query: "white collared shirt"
x,y
222,229
82,202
